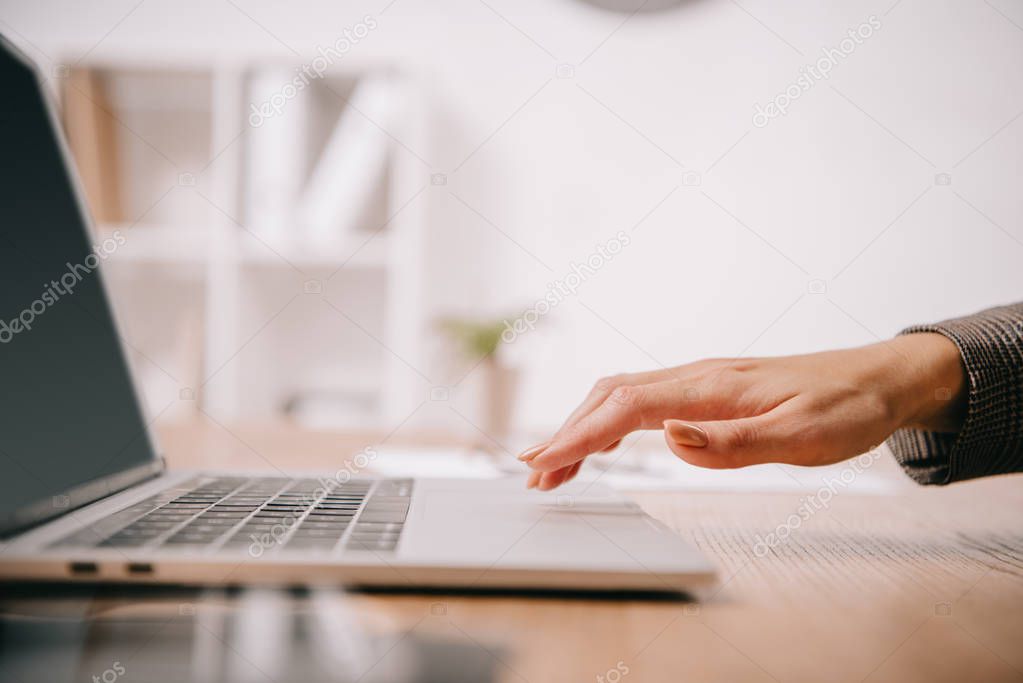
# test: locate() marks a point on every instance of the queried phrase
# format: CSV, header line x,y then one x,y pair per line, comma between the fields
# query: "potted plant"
x,y
479,342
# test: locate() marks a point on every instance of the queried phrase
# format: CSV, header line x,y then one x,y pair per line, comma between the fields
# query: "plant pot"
x,y
498,390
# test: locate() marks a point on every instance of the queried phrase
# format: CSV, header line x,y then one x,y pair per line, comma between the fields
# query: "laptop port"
x,y
83,568
140,568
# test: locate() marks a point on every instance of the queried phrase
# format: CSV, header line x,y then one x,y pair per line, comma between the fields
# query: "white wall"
x,y
830,191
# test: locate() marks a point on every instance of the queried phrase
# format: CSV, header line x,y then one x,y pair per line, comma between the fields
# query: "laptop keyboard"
x,y
259,516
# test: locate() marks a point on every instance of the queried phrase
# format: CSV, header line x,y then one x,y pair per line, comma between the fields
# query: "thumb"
x,y
726,444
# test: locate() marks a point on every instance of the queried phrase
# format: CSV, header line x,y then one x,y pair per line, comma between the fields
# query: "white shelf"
x,y
234,265
186,245
356,250
157,244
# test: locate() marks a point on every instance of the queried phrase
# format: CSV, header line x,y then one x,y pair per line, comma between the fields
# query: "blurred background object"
x,y
271,213
633,6
305,190
479,342
108,634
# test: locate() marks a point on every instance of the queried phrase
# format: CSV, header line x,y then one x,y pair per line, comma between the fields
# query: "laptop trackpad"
x,y
498,522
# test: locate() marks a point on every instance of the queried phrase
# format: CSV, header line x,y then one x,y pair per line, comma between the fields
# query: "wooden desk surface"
x,y
922,586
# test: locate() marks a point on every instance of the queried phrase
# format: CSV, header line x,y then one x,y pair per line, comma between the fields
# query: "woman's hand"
x,y
814,409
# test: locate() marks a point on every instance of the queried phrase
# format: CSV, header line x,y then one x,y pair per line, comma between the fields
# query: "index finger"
x,y
627,409
602,390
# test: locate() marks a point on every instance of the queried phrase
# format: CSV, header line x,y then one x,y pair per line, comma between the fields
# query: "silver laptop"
x,y
84,495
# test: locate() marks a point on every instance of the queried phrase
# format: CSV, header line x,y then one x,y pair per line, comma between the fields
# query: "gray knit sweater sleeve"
x,y
991,439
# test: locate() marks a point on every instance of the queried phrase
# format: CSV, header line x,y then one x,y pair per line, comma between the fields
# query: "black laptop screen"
x,y
69,421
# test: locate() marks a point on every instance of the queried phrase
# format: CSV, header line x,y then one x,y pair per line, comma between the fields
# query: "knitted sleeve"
x,y
991,439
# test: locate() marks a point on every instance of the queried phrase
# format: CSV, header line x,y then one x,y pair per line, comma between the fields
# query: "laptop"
x,y
85,494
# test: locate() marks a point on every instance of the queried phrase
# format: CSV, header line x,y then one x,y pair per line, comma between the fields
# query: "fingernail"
x,y
530,453
686,434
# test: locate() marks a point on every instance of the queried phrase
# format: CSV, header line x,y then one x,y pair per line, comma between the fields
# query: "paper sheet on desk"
x,y
660,472
871,474
435,463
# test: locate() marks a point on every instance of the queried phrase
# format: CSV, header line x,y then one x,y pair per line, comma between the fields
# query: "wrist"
x,y
934,389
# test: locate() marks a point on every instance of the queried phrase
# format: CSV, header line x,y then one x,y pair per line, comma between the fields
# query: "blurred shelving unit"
x,y
271,264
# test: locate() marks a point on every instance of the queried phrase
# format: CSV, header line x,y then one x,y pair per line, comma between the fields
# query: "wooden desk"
x,y
924,586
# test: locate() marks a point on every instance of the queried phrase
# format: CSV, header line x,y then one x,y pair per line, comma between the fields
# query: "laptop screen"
x,y
71,429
